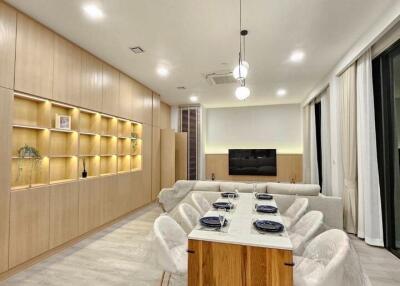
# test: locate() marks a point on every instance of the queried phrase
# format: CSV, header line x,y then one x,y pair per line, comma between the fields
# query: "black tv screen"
x,y
255,162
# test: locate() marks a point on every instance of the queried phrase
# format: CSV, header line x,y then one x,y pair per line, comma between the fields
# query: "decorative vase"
x,y
84,173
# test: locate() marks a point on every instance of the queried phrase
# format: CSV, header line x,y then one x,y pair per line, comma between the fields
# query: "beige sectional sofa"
x,y
283,193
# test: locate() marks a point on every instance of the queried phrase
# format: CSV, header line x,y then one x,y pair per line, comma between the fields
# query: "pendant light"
x,y
241,70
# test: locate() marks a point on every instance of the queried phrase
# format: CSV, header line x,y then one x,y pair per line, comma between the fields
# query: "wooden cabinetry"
x,y
156,109
125,96
156,163
8,22
147,162
110,90
124,194
137,101
167,158
181,156
29,224
91,82
110,207
6,102
64,211
148,106
90,205
67,71
34,58
165,116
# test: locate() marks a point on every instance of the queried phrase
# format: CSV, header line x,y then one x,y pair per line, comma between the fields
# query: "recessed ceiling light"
x,y
281,92
93,11
297,56
194,98
162,71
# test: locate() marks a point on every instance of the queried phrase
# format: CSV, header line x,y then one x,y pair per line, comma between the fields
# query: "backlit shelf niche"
x,y
108,145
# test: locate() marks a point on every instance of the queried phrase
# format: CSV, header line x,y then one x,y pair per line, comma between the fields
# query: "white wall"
x,y
272,126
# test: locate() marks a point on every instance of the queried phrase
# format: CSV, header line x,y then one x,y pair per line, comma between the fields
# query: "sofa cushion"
x,y
208,186
242,187
293,189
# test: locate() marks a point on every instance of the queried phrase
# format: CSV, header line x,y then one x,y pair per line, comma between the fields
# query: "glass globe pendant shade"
x,y
242,92
242,73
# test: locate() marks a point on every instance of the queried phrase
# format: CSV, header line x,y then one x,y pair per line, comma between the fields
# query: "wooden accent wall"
x,y
156,163
289,167
181,156
6,99
165,116
167,158
8,28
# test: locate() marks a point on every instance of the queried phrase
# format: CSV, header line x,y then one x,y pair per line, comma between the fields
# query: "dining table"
x,y
239,254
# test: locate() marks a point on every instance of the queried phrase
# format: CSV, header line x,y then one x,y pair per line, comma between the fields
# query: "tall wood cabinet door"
x,y
156,164
6,100
137,101
67,71
64,211
125,194
125,96
108,186
167,158
34,58
29,224
91,82
148,106
110,90
139,194
147,162
90,205
156,109
8,27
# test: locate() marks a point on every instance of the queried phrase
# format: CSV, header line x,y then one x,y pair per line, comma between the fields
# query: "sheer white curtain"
x,y
326,143
348,128
369,199
314,178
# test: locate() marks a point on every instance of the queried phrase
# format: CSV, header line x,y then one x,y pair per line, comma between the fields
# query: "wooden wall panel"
x,y
29,224
181,156
91,82
137,101
108,185
64,211
67,71
155,163
90,205
125,96
124,193
213,263
8,25
167,158
110,90
140,196
147,162
165,116
289,167
156,109
34,58
6,100
148,106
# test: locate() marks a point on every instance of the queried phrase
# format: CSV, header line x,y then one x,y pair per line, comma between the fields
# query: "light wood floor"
x,y
121,255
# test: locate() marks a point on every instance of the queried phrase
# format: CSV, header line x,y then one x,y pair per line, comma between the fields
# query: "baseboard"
x,y
53,251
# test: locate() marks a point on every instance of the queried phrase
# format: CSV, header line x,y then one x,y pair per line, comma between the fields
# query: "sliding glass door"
x,y
386,73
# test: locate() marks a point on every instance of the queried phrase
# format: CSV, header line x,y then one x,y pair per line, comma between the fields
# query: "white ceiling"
x,y
195,37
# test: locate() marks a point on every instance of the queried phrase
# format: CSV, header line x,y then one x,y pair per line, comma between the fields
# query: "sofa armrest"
x,y
168,199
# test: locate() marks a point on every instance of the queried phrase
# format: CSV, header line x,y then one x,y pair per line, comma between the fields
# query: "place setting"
x,y
262,226
218,222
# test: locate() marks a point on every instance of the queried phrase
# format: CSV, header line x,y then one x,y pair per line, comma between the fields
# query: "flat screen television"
x,y
255,162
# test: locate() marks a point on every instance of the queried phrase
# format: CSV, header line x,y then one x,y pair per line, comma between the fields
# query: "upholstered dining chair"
x,y
305,229
189,215
171,245
201,203
329,260
294,212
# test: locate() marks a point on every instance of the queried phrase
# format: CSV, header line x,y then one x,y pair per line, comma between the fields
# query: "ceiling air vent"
x,y
220,78
137,50
181,87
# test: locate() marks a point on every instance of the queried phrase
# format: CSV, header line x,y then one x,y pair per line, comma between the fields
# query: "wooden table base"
x,y
217,264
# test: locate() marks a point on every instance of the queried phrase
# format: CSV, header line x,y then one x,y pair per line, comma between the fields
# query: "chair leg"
x,y
169,278
162,278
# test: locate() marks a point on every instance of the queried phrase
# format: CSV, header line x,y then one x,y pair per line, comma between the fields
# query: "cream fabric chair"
x,y
295,212
190,216
305,230
171,245
201,203
329,260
